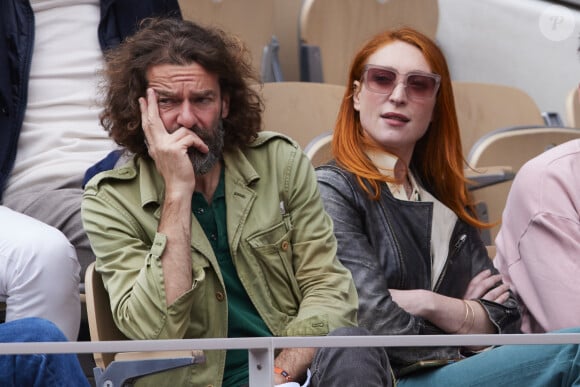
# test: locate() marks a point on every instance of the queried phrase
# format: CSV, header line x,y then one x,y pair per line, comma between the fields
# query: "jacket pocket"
x,y
272,249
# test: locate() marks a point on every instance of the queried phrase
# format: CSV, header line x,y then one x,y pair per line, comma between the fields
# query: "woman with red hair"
x,y
402,217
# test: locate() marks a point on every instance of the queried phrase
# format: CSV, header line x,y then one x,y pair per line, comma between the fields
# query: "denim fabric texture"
x,y
37,370
510,365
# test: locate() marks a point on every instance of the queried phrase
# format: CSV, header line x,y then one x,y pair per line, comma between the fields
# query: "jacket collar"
x,y
152,188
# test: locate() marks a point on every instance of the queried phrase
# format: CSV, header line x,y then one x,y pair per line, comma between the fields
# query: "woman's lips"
x,y
395,119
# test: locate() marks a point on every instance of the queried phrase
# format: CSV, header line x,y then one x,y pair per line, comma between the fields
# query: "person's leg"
x,y
39,272
350,366
509,365
60,207
38,369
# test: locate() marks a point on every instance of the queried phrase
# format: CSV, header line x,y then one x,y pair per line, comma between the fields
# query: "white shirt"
x,y
443,218
61,136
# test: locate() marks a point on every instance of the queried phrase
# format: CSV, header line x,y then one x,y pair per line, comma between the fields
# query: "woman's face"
x,y
397,120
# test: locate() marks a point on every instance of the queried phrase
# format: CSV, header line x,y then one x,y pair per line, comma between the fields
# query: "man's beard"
x,y
214,139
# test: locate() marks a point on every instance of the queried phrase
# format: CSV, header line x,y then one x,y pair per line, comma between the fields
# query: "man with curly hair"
x,y
211,228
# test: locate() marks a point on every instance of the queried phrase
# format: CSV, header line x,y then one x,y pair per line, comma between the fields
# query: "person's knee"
x,y
61,250
350,365
54,256
32,329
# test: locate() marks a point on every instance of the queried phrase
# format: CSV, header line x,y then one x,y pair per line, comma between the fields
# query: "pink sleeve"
x,y
547,276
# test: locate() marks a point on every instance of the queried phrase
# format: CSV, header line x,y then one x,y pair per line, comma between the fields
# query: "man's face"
x,y
189,97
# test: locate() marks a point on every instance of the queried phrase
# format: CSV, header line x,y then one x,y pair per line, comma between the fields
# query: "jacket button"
x,y
219,296
284,245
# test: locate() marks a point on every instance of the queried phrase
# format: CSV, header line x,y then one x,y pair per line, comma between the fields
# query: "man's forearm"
x,y
175,223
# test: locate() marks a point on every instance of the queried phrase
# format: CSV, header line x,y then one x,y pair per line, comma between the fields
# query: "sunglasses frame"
x,y
405,76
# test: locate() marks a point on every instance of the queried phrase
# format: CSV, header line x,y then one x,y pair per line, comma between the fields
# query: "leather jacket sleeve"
x,y
359,256
506,317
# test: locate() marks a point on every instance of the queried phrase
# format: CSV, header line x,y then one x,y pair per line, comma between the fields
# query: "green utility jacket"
x,y
281,242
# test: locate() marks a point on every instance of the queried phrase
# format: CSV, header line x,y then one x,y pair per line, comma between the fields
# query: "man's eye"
x,y
203,100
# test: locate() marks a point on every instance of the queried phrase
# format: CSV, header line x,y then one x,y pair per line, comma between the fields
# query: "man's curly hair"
x,y
178,42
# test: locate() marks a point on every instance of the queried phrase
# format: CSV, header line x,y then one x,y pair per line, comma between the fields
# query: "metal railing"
x,y
261,349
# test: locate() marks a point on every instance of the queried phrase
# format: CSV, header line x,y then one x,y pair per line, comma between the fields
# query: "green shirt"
x,y
243,318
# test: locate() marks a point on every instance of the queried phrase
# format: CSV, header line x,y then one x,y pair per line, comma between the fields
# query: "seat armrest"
x,y
486,176
121,372
124,356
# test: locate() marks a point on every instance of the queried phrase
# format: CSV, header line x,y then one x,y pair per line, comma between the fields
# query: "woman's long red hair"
x,y
437,157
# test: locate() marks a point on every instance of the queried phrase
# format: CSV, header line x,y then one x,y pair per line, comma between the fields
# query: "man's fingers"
x,y
152,107
150,119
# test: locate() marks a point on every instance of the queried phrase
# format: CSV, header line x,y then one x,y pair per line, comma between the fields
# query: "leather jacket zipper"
x,y
456,247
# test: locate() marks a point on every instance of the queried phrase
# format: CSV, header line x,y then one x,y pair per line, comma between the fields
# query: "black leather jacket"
x,y
386,244
119,18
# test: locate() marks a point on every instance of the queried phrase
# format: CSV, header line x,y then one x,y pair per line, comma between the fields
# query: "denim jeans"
x,y
509,365
37,370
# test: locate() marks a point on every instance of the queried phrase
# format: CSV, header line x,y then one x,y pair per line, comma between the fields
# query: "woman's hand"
x,y
416,302
483,286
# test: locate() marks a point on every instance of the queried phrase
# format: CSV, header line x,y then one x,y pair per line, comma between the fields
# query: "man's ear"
x,y
225,105
356,87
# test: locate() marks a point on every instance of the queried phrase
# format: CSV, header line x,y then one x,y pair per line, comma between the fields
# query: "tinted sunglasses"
x,y
419,85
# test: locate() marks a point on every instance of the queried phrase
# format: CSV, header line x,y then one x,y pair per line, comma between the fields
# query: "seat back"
x,y
319,150
484,107
101,324
511,147
339,30
255,28
301,110
573,108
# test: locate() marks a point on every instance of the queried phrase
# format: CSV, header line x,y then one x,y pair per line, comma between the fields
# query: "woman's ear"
x,y
356,87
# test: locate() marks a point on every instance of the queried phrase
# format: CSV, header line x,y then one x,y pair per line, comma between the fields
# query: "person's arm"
x,y
455,315
328,293
294,361
170,153
546,276
377,311
143,251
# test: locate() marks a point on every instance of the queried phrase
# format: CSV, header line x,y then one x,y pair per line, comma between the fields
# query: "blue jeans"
x,y
509,365
38,369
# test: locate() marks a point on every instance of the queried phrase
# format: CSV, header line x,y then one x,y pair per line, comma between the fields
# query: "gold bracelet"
x,y
472,316
464,319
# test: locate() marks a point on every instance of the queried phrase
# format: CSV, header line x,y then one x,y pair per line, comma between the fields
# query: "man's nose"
x,y
186,117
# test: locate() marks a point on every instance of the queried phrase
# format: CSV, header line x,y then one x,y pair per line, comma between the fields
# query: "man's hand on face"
x,y
168,149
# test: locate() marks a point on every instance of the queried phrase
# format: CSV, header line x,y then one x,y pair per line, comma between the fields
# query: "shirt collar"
x,y
390,165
